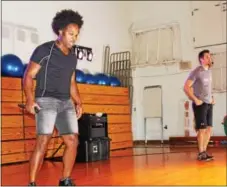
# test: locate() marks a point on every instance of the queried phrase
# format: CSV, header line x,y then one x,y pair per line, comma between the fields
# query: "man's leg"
x,y
67,126
45,121
71,143
37,156
209,128
207,137
200,138
199,114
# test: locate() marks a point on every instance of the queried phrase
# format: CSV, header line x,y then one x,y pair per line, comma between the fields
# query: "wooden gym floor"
x,y
153,165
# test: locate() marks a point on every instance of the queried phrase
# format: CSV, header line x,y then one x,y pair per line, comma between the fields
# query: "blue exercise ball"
x,y
90,79
12,66
80,76
102,79
114,81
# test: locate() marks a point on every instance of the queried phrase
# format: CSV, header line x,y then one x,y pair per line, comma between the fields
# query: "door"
x,y
224,20
207,23
152,110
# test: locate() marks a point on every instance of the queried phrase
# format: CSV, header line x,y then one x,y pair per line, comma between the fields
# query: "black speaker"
x,y
93,150
104,148
92,126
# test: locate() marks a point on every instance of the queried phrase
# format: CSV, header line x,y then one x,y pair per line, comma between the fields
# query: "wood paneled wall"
x,y
18,127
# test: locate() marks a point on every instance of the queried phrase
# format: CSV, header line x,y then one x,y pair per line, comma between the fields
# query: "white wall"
x,y
103,24
107,23
151,13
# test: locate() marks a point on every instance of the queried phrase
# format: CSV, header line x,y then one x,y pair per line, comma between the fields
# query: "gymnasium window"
x,y
219,72
156,46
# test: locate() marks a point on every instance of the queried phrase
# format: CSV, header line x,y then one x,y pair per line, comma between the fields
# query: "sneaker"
x,y
209,157
202,156
32,184
66,182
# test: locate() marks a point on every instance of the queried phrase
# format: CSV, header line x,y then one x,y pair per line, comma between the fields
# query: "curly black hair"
x,y
65,17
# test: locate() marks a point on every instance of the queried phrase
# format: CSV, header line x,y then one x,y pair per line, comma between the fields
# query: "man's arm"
x,y
31,71
224,120
37,59
213,100
74,90
189,90
188,86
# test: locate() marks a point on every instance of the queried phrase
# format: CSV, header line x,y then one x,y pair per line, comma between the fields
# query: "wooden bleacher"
x,y
18,127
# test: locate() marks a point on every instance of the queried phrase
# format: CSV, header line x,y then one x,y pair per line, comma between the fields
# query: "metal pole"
x,y
145,130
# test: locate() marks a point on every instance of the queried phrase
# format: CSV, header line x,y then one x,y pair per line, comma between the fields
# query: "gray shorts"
x,y
55,112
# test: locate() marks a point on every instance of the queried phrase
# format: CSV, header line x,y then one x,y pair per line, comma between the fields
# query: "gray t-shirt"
x,y
202,83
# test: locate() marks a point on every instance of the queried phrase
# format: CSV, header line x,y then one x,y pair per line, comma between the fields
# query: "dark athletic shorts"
x,y
203,115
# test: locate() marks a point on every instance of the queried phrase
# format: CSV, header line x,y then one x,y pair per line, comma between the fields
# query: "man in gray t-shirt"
x,y
198,87
202,83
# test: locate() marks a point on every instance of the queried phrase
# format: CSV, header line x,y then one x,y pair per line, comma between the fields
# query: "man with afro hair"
x,y
53,65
